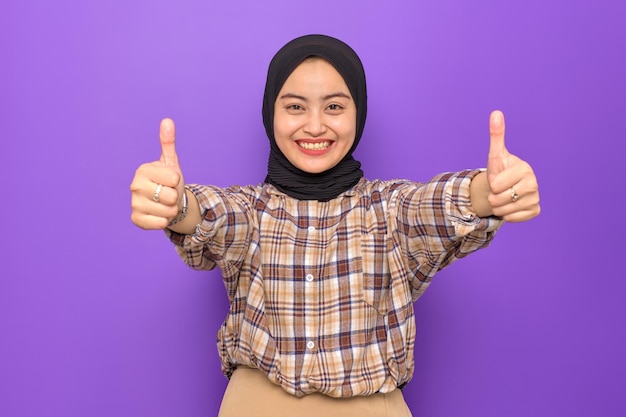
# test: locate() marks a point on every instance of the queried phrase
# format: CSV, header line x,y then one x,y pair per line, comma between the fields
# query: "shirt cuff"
x,y
208,200
459,208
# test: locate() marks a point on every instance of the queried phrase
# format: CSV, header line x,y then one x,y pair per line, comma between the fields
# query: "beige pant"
x,y
251,394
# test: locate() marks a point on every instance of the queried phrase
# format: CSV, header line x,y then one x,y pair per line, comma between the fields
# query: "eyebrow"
x,y
324,98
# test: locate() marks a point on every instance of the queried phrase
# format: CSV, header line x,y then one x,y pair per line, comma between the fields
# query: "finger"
x,y
519,174
156,173
167,137
507,201
149,222
514,201
522,215
497,149
145,189
167,196
144,208
505,179
163,175
148,207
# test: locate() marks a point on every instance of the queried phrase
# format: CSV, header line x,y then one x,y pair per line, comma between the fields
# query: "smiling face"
x,y
314,117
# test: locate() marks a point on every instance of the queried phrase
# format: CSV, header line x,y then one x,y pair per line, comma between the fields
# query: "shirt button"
x,y
309,277
311,228
310,345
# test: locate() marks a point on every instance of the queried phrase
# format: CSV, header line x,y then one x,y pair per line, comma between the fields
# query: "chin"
x,y
314,166
314,170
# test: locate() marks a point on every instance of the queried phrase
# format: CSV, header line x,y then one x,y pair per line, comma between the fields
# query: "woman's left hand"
x,y
513,188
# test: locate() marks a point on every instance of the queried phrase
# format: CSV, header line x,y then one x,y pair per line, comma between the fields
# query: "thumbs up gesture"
x,y
513,190
158,187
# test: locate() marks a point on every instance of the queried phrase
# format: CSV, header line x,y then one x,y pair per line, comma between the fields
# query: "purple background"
x,y
100,318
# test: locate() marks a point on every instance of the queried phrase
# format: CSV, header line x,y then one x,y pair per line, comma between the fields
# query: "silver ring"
x,y
514,195
157,192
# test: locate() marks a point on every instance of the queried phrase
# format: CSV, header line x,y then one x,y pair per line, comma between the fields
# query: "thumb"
x,y
497,149
167,137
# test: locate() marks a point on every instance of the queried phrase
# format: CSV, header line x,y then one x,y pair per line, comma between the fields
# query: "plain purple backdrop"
x,y
99,318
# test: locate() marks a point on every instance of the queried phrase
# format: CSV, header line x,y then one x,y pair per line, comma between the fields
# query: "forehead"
x,y
315,72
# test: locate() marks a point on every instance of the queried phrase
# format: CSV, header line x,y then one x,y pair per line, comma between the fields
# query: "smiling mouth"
x,y
314,146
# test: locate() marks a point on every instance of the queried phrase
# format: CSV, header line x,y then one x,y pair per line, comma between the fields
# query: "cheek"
x,y
344,125
284,126
282,134
344,128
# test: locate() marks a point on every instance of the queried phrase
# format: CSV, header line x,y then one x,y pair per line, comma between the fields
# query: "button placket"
x,y
312,295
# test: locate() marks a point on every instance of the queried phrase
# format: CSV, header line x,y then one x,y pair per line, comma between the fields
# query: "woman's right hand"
x,y
157,188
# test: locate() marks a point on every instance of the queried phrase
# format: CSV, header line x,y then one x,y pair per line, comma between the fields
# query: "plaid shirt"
x,y
321,293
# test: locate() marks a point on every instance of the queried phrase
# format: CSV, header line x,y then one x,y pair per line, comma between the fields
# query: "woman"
x,y
321,265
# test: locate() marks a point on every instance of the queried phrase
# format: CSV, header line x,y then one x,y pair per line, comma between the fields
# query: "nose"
x,y
315,124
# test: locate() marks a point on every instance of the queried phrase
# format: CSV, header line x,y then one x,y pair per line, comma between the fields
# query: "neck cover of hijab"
x,y
281,173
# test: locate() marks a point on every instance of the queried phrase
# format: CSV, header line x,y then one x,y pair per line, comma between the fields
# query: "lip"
x,y
315,152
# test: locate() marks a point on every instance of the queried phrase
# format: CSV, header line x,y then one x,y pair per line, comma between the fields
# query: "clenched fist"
x,y
158,187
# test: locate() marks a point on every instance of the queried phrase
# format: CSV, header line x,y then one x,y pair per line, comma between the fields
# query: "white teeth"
x,y
314,146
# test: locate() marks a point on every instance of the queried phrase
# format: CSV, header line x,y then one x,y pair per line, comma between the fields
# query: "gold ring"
x,y
514,195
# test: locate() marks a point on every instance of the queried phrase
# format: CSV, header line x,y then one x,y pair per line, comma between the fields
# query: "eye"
x,y
335,107
294,108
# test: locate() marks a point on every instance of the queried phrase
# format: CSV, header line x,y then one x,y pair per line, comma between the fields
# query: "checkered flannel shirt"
x,y
322,293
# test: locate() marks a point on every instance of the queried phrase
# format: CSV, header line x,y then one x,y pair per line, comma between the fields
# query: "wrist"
x,y
479,195
182,210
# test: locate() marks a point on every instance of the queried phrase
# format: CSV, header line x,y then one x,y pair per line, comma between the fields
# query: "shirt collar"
x,y
351,192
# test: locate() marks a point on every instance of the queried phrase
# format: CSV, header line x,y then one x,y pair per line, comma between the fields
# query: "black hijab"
x,y
283,174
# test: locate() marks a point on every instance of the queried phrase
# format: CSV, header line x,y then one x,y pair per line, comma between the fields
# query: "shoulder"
x,y
411,192
386,188
212,196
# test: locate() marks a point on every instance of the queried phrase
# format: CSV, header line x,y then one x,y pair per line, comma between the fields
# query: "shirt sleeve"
x,y
437,225
223,237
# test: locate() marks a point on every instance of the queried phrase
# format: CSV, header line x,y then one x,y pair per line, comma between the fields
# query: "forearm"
x,y
479,195
188,225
